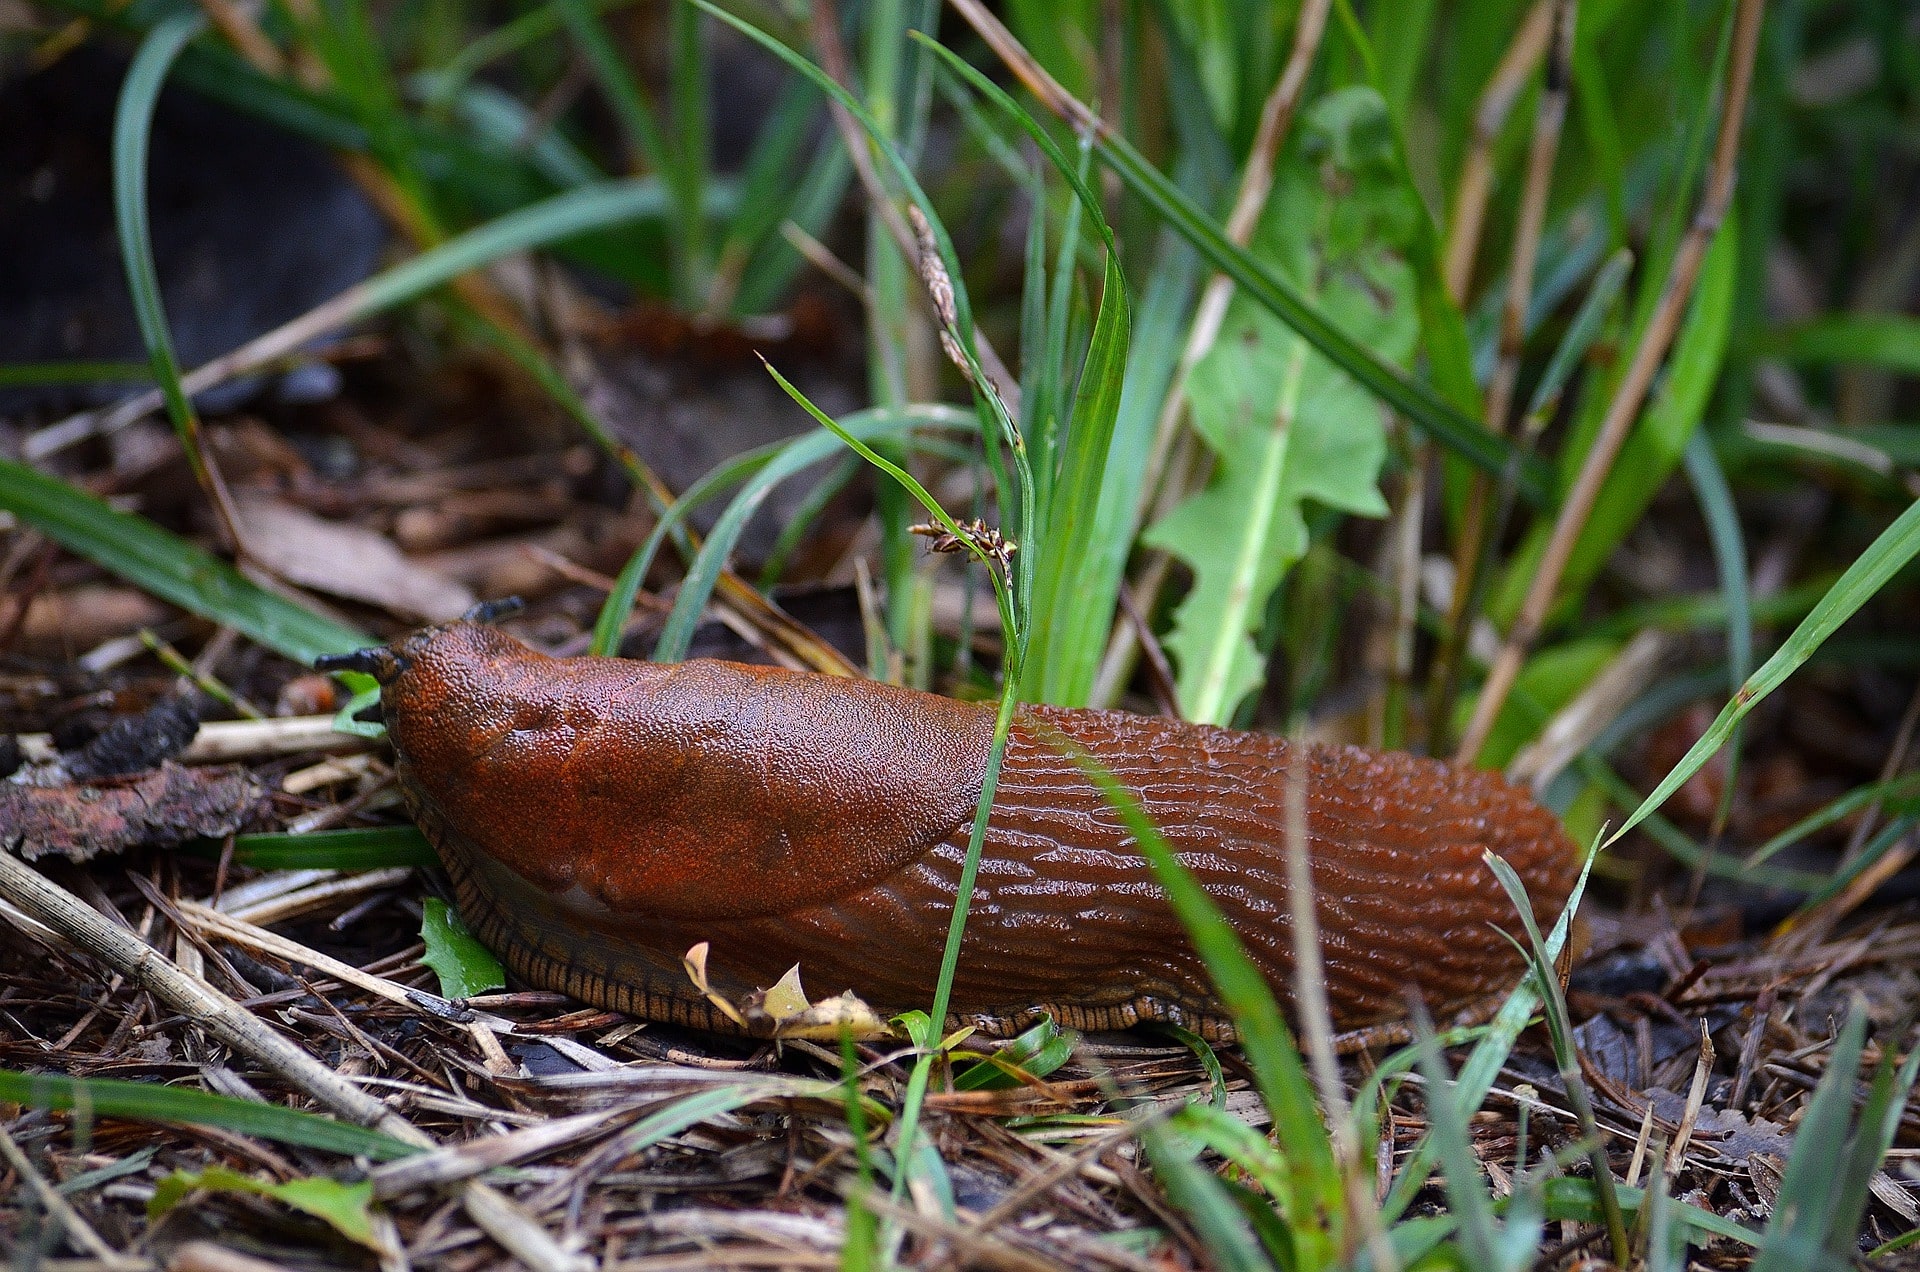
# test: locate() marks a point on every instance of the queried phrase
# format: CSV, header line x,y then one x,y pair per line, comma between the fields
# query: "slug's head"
x,y
436,653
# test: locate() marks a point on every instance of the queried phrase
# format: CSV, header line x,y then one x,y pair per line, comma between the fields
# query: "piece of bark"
x,y
163,806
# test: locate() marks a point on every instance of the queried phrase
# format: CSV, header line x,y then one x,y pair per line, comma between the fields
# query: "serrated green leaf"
x,y
1286,424
465,967
343,1206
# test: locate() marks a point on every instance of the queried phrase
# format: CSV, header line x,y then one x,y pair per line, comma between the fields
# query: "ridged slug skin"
x,y
599,816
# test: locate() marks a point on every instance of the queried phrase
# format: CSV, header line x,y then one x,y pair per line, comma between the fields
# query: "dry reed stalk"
x,y
1470,197
1164,484
1624,409
1549,121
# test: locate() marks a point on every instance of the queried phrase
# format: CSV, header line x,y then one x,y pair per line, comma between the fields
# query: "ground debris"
x,y
168,805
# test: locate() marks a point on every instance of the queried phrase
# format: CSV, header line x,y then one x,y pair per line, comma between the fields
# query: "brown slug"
x,y
599,816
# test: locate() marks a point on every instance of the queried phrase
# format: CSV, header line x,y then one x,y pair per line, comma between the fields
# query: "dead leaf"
x,y
829,1018
695,963
786,999
1731,1134
347,561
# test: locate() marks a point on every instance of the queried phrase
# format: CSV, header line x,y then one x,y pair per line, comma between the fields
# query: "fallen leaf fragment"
x,y
347,561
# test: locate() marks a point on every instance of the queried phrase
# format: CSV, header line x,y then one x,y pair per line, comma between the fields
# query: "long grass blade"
x,y
1281,1077
132,130
151,1102
169,567
792,458
1886,556
371,848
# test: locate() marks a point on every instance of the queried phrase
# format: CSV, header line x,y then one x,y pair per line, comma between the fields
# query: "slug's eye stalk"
x,y
493,611
377,661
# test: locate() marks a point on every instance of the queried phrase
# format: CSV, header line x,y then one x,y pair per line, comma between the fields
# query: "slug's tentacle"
x,y
378,661
487,613
600,816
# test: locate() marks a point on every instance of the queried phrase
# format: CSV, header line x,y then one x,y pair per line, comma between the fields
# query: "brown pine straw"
x,y
1628,399
196,1000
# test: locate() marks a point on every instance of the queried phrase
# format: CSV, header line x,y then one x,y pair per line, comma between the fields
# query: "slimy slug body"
x,y
599,816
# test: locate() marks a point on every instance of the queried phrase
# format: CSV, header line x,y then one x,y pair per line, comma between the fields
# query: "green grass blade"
x,y
1467,1197
1676,843
1477,1075
529,28
691,142
1574,1200
169,567
1072,607
1587,324
772,188
1014,645
1560,1032
1886,556
1799,1230
761,469
151,1102
501,122
792,457
1879,846
805,515
817,197
1035,1053
1205,1201
1873,1137
541,224
636,119
1710,488
1071,610
993,408
1728,552
1888,341
611,623
1898,793
132,128
370,848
